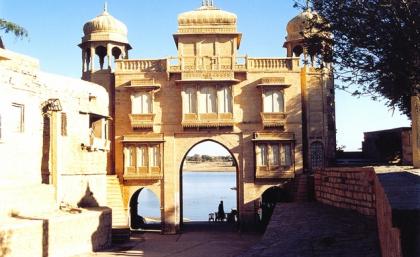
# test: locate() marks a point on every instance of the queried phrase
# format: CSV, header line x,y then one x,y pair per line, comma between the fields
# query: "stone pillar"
x,y
415,117
108,55
83,61
92,59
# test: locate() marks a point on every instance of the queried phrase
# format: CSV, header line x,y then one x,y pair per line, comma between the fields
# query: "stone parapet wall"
x,y
389,236
415,117
347,188
359,189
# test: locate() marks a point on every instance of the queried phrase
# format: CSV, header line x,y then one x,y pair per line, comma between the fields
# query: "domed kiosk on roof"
x,y
297,29
104,36
105,26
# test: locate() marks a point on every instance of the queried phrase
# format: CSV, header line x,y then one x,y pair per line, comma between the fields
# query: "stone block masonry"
x,y
347,188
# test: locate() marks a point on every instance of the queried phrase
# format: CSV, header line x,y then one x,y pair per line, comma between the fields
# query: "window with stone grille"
x,y
317,155
273,155
17,117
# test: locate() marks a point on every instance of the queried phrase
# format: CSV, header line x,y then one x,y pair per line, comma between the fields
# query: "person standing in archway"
x,y
221,212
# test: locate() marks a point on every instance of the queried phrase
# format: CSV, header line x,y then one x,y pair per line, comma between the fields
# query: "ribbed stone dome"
x,y
297,26
107,27
205,16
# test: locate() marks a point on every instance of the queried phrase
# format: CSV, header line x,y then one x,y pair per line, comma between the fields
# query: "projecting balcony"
x,y
142,173
273,119
142,121
207,120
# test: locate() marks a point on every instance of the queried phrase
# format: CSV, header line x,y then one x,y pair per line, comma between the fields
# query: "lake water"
x,y
202,192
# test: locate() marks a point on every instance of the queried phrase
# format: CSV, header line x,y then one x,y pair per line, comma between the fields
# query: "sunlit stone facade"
x,y
274,115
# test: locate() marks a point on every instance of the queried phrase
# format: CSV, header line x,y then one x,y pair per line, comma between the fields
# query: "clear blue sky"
x,y
55,29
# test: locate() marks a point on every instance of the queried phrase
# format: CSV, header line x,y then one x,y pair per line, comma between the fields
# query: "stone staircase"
x,y
120,227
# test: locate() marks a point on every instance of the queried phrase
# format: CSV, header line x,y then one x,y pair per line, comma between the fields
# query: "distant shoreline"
x,y
209,167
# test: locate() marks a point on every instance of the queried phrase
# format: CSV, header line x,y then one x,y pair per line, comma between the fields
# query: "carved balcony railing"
x,y
273,119
207,120
231,63
130,66
139,121
145,172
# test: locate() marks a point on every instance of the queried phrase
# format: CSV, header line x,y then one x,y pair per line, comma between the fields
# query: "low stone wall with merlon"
x,y
58,234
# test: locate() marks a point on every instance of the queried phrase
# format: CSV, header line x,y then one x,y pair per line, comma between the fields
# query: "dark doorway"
x,y
145,213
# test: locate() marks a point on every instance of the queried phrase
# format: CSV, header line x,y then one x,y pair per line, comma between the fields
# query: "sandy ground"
x,y
209,166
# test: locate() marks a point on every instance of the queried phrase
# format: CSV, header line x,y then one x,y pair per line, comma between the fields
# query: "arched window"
x,y
100,51
317,155
273,100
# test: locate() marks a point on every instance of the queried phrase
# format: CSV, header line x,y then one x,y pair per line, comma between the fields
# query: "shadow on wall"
x,y
4,243
101,238
88,200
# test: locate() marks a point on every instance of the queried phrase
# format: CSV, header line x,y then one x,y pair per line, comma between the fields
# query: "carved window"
x,y
141,103
225,99
274,154
317,155
154,156
273,100
140,158
18,117
190,99
207,100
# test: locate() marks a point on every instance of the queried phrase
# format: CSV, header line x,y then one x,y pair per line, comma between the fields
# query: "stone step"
x,y
120,234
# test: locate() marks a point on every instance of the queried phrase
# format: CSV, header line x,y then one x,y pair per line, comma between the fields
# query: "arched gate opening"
x,y
208,177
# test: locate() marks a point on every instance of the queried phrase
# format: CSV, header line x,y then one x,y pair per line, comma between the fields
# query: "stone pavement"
x,y
197,240
317,230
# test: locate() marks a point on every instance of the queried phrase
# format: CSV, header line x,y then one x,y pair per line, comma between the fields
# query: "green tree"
x,y
10,27
375,46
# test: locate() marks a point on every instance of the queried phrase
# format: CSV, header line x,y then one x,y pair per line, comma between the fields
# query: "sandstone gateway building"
x,y
274,115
